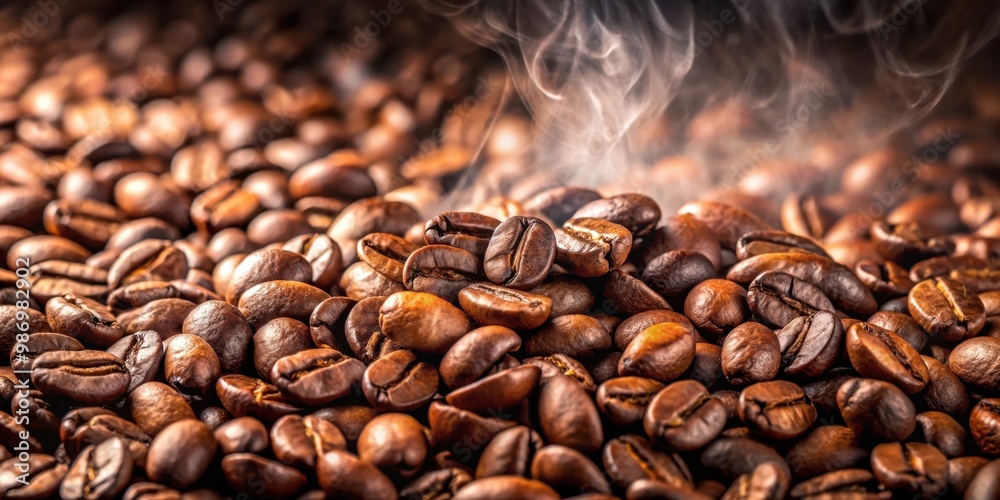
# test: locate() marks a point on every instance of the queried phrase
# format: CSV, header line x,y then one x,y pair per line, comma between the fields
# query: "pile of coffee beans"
x,y
225,272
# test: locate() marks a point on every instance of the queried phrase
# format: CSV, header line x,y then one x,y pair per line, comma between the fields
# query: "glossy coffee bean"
x,y
777,298
489,304
623,400
946,307
684,416
631,458
316,377
716,306
637,213
395,443
568,415
675,273
661,352
190,366
576,335
386,254
399,381
879,353
84,319
567,470
915,467
778,409
561,364
476,353
503,389
826,449
222,326
250,474
592,247
520,253
886,280
142,353
149,260
154,405
341,473
422,322
984,423
300,441
441,270
810,344
275,340
242,435
757,243
279,299
181,453
442,482
976,362
509,453
101,471
875,407
751,353
246,396
469,231
92,377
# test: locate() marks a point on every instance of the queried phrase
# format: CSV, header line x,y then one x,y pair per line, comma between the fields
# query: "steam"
x,y
614,85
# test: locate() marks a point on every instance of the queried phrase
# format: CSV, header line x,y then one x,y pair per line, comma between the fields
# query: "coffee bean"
x,y
150,260
567,470
476,353
751,353
164,316
254,475
559,203
901,324
907,243
503,389
684,232
984,424
83,318
181,453
370,215
811,344
154,405
93,426
637,213
22,356
716,306
624,399
468,231
629,295
878,353
976,362
734,456
661,352
916,467
568,416
43,248
327,323
590,247
675,273
825,449
222,326
947,307
363,333
568,295
142,353
886,280
88,222
279,299
875,407
561,364
442,482
422,322
93,377
43,482
728,222
757,243
489,304
630,328
246,396
520,253
441,270
275,340
242,435
341,473
57,278
684,416
223,206
766,481
301,441
276,226
317,376
395,443
777,298
575,335
398,381
850,482
777,409
101,471
267,265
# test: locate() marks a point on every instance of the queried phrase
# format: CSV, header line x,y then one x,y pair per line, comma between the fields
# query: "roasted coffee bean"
x,y
810,344
630,328
751,353
250,474
101,471
849,482
181,453
978,280
360,281
826,449
942,266
92,377
907,243
879,353
149,260
520,253
901,324
567,470
476,353
777,410
498,487
469,231
339,175
916,467
629,295
503,389
323,256
509,453
276,226
139,294
88,222
559,203
777,298
590,247
327,323
684,416
267,265
766,481
437,484
886,280
190,365
676,272
242,435
363,333
398,381
624,399
944,391
57,278
728,222
279,299
734,456
341,473
941,431
142,353
637,213
163,316
222,326
631,458
875,407
976,362
984,424
90,426
562,364
23,355
661,352
43,248
489,304
575,335
84,319
385,253
947,307
13,321
568,295
370,215
568,415
716,306
315,377
985,483
154,405
395,443
422,322
44,479
684,232
275,340
837,282
757,243
246,396
300,441
441,270
223,206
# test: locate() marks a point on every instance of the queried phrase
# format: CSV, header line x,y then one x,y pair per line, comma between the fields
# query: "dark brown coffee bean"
x,y
181,453
624,399
985,483
977,362
716,306
279,299
223,206
500,487
559,203
149,260
276,226
442,270
383,439
475,353
628,459
520,253
323,256
575,335
469,231
267,265
590,247
839,284
246,396
140,294
242,435
370,215
886,280
777,409
503,389
941,431
676,272
250,474
509,453
777,298
23,206
567,470
639,214
878,353
947,307
751,353
363,333
164,316
85,319
360,281
399,382
132,232
342,473
728,222
23,355
190,366
661,352
734,456
300,441
811,344
684,232
87,222
57,278
223,327
684,416
984,424
93,377
630,328
915,467
877,408
275,340
944,391
437,484
568,295
629,295
42,248
327,323
901,324
907,243
155,405
142,353
826,449
422,322
489,304
385,253
757,243
350,419
13,321
557,364
855,483
766,481
317,376
568,415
